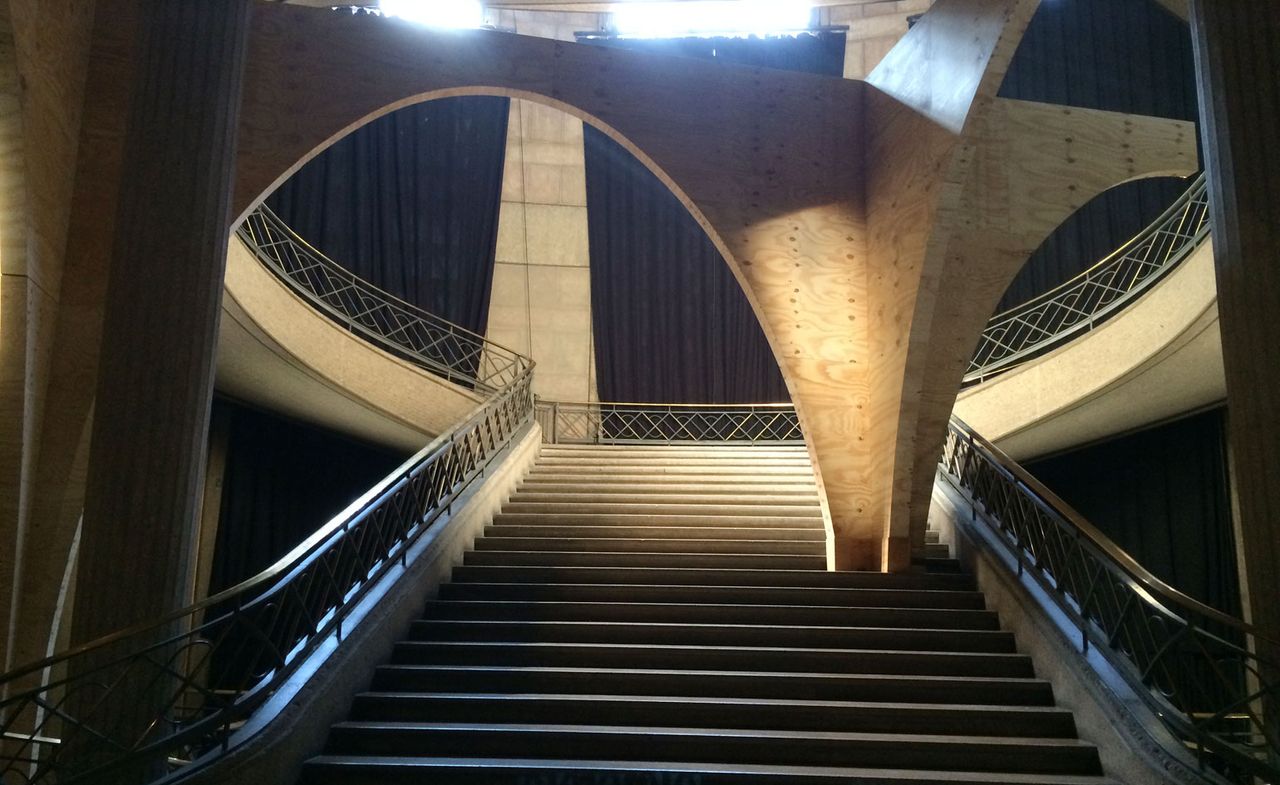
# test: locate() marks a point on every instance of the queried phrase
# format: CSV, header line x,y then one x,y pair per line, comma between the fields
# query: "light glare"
x,y
455,14
710,17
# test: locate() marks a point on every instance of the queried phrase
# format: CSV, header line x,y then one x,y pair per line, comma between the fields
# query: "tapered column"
x,y
161,316
1237,49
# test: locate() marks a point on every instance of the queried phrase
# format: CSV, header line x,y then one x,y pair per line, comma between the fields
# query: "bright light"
x,y
456,14
710,17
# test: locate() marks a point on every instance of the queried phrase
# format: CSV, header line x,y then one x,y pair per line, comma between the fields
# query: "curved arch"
x,y
697,126
853,218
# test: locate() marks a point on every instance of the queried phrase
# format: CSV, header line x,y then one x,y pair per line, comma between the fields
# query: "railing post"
x,y
555,422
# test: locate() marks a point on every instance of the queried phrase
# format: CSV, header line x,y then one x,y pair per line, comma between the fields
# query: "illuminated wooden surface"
x,y
872,225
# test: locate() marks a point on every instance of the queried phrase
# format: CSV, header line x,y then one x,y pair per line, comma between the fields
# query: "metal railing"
x,y
169,695
1055,317
657,423
209,667
423,339
1192,663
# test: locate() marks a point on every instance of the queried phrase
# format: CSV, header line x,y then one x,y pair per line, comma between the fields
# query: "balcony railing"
x,y
1193,664
654,423
175,693
1086,301
423,339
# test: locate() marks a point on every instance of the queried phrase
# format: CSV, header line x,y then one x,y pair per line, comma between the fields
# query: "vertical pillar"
x,y
1237,51
151,410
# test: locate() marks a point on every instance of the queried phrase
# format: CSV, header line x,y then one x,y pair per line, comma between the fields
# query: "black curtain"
x,y
1161,494
409,202
283,480
671,323
1119,55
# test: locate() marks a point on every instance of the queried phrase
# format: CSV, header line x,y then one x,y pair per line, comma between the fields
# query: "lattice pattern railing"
x,y
1055,317
426,340
160,697
1192,663
634,423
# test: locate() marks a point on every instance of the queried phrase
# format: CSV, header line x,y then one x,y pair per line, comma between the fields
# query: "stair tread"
x,y
652,730
683,699
992,680
790,772
704,647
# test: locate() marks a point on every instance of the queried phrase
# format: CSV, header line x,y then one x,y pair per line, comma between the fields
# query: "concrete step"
x,y
607,486
692,594
713,658
725,532
937,551
663,496
746,472
676,459
740,713
667,576
744,508
650,559
687,634
742,543
627,519
392,770
770,747
675,449
932,537
708,613
744,684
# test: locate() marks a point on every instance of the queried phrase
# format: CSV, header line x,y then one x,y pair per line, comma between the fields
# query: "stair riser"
x,y
666,521
850,598
802,579
559,559
804,751
606,486
693,613
758,546
569,655
594,710
692,506
658,532
798,686
713,635
658,496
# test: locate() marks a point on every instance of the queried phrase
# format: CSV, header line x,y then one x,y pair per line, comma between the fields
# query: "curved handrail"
x,y
1082,303
424,339
565,422
173,692
1191,662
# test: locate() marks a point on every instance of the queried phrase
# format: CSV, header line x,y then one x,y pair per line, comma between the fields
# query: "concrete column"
x,y
161,315
1237,50
540,305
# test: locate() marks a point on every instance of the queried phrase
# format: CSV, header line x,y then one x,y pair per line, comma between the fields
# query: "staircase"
x,y
662,615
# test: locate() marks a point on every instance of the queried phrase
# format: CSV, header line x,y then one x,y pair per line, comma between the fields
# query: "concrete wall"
x,y
541,300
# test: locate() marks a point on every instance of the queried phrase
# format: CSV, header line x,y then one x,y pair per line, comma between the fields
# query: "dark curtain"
x,y
1162,495
409,202
1119,55
284,480
671,323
